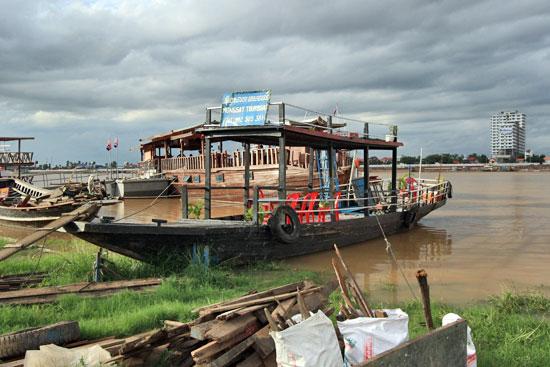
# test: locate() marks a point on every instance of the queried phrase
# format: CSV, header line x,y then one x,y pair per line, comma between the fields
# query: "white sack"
x,y
471,357
311,343
52,355
366,337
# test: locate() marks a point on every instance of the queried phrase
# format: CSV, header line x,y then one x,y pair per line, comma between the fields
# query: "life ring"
x,y
285,224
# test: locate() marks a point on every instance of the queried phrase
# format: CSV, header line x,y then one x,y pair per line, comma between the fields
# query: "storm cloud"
x,y
74,74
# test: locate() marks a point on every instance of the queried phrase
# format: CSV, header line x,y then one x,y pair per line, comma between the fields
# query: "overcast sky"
x,y
74,74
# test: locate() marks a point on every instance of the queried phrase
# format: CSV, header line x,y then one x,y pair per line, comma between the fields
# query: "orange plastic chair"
x,y
307,207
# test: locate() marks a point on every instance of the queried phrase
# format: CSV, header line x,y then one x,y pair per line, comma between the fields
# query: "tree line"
x,y
447,158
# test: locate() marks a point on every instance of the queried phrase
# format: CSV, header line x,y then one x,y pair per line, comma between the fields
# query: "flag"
x,y
109,145
115,145
335,110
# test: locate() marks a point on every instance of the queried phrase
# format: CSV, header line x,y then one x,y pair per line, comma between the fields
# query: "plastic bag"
x,y
366,337
52,355
311,343
471,356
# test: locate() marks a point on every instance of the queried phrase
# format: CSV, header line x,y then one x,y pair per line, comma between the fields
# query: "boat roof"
x,y
172,138
269,134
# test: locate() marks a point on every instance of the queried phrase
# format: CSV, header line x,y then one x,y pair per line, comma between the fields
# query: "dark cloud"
x,y
74,74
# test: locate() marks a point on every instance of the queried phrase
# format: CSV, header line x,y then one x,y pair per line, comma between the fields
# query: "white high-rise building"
x,y
508,136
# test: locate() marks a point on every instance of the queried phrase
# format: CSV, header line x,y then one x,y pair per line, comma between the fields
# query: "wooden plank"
x,y
263,343
264,300
199,331
283,307
208,350
270,361
445,347
270,292
252,360
227,330
47,294
231,355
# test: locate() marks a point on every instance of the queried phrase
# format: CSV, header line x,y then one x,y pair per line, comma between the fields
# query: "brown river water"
x,y
493,234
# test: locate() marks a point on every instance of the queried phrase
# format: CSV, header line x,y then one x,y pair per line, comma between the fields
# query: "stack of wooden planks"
x,y
230,333
17,281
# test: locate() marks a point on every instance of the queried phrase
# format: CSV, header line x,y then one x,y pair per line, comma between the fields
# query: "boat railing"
x,y
263,156
15,158
427,193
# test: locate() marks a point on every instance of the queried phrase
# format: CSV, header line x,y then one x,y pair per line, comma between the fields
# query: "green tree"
x,y
409,160
432,158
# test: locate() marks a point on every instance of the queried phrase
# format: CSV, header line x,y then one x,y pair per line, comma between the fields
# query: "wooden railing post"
x,y
184,201
255,196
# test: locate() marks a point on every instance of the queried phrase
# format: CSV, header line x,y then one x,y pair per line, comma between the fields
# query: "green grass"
x,y
186,286
511,329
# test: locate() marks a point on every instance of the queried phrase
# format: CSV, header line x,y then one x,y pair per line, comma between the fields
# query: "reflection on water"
x,y
493,233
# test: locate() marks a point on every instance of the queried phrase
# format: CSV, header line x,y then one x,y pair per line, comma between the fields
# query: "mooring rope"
x,y
38,263
390,251
145,208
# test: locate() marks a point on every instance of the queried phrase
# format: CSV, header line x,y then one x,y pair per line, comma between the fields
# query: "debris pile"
x,y
235,332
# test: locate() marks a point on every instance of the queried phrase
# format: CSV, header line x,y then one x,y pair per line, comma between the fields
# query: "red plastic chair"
x,y
307,207
292,200
337,205
266,208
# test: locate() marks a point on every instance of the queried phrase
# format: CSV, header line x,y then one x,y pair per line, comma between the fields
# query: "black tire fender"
x,y
18,342
410,217
284,224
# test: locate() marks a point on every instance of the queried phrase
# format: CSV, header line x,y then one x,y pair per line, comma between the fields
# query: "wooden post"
x,y
330,153
19,158
255,196
282,168
394,180
310,172
207,179
366,183
184,201
246,175
422,278
282,113
208,116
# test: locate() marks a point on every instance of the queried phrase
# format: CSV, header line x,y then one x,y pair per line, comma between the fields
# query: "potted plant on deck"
x,y
392,136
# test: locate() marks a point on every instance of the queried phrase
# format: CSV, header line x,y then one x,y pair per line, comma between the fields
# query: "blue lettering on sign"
x,y
245,108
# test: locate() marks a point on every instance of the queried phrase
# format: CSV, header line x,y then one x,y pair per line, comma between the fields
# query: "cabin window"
x,y
186,179
196,178
219,178
250,175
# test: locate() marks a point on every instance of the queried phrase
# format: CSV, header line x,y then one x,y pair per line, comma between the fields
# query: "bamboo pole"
x,y
361,299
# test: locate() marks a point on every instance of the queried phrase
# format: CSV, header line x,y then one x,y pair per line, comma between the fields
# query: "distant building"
x,y
508,136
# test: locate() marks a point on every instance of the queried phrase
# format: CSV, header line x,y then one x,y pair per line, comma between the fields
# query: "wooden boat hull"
x,y
35,217
237,240
138,188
